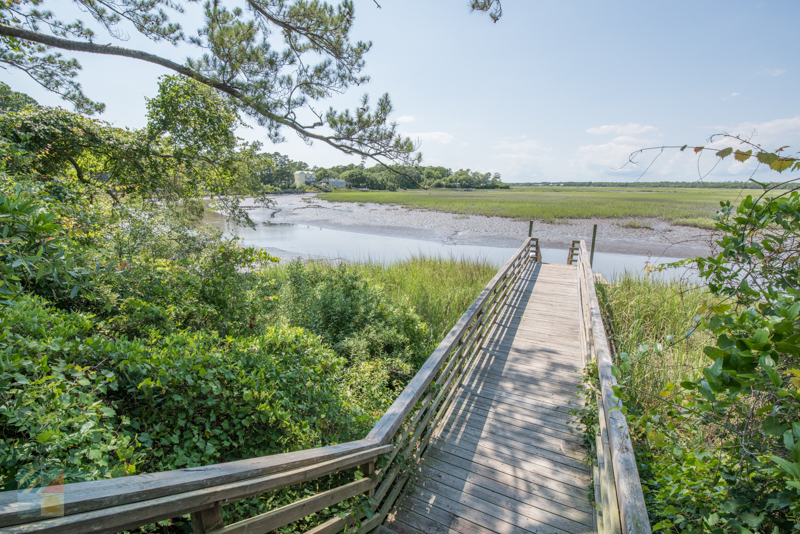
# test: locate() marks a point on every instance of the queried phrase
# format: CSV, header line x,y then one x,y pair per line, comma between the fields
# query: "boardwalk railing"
x,y
618,490
386,457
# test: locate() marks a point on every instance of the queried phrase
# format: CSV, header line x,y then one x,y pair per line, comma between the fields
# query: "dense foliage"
x,y
719,442
393,178
132,340
147,345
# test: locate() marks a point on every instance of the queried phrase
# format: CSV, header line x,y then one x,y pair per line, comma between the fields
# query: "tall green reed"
x,y
652,320
439,289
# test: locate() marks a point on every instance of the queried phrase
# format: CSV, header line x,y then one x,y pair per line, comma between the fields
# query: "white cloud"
x,y
631,128
735,94
526,145
521,149
603,161
523,157
607,160
404,119
774,72
438,137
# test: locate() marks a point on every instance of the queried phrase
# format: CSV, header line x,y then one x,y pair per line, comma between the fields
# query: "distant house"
x,y
336,182
304,177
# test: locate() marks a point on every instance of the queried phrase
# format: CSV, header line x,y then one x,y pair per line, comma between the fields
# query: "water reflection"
x,y
293,240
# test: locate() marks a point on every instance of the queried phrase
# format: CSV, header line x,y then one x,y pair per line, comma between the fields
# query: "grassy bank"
x,y
652,321
687,206
438,289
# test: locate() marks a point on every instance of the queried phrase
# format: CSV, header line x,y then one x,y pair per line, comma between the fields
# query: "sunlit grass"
x,y
698,222
653,321
439,289
691,206
635,223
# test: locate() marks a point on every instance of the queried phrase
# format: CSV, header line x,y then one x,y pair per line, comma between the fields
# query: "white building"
x,y
304,177
336,182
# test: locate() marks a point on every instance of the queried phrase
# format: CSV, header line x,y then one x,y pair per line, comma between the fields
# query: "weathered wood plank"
x,y
525,405
433,520
500,496
483,454
496,412
96,495
460,510
547,455
495,506
551,382
545,417
380,529
472,415
633,511
518,481
125,517
492,389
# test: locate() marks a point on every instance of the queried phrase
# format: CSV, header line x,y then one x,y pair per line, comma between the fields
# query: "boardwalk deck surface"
x,y
507,458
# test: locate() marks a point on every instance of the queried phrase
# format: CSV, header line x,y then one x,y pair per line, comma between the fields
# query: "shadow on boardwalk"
x,y
508,456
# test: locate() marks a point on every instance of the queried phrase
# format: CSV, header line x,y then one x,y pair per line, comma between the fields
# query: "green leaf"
x,y
725,152
761,336
742,156
781,164
791,468
767,158
45,437
773,427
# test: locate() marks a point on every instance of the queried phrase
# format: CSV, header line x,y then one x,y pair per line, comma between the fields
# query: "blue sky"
x,y
555,91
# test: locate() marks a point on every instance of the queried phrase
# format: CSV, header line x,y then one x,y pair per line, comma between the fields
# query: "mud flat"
x,y
660,239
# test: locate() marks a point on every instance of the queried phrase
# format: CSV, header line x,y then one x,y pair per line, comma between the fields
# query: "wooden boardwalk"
x,y
508,457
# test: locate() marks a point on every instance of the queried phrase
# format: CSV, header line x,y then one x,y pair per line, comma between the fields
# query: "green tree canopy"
x,y
187,150
237,55
13,101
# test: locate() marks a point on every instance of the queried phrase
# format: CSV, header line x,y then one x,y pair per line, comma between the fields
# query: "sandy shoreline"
x,y
663,240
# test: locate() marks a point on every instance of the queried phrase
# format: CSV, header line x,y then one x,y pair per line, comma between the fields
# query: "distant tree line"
x,y
694,184
278,171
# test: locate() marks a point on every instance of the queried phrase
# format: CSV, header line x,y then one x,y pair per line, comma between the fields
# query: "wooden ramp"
x,y
507,458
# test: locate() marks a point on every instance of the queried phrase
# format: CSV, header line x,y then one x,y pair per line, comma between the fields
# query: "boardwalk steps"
x,y
482,440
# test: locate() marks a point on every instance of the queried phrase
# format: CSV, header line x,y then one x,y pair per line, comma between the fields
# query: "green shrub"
x,y
354,316
75,400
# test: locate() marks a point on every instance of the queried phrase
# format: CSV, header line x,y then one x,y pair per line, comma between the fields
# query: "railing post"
x,y
207,520
368,470
594,238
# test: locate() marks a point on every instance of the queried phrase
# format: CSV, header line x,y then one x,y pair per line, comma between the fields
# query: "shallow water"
x,y
300,240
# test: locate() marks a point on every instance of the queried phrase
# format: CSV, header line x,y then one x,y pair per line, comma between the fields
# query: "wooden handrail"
x,y
622,500
385,429
403,431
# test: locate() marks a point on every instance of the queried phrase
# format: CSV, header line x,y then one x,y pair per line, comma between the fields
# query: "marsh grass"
x,y
635,223
439,289
653,321
697,222
692,206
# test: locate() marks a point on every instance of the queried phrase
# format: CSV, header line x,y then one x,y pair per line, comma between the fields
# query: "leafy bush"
x,y
34,250
95,407
719,444
354,316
